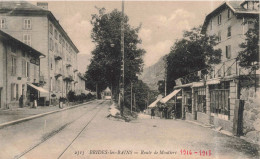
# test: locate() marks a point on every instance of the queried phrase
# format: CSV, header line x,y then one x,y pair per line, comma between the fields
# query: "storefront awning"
x,y
40,89
167,98
154,103
197,84
185,85
213,81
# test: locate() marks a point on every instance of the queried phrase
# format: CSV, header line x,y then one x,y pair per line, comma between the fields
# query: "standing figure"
x,y
21,101
152,113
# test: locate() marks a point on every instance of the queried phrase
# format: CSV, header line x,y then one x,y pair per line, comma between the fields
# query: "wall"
x,y
251,114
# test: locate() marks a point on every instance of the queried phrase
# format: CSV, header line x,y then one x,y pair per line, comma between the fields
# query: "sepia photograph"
x,y
129,79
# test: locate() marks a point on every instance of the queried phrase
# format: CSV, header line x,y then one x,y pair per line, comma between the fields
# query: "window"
x,y
51,28
34,72
219,100
13,67
3,23
219,19
27,24
60,39
229,13
27,69
228,51
219,36
27,39
229,31
55,34
56,48
51,84
51,44
200,99
24,68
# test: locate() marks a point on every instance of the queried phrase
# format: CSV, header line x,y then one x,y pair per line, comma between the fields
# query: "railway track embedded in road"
x,y
59,130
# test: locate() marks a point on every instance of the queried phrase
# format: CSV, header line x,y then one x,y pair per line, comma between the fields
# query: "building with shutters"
x,y
19,72
216,96
37,27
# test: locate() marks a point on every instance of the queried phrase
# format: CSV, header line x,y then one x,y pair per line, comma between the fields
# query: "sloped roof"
x,y
18,5
9,39
24,8
235,6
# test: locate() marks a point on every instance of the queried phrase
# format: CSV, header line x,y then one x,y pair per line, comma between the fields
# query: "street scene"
x,y
129,79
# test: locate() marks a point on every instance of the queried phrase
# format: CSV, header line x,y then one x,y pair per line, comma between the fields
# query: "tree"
x,y
141,91
195,51
105,67
249,55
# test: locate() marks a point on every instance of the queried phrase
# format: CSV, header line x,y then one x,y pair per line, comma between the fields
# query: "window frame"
x,y
13,65
28,39
229,32
51,28
228,52
27,23
219,19
3,23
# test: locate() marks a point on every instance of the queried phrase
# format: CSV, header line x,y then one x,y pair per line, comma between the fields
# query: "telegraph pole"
x,y
123,60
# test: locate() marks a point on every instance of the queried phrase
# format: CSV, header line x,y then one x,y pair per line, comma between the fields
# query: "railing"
x,y
229,68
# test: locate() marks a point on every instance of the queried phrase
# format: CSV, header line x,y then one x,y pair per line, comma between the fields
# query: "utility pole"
x,y
165,81
131,96
123,60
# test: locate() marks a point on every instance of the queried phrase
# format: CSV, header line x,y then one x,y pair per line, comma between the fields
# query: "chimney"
x,y
43,5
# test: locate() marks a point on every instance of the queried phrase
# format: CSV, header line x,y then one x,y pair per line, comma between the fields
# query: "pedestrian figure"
x,y
161,112
152,113
21,101
166,112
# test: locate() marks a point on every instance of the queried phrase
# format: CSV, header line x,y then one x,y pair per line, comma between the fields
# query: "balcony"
x,y
57,75
68,65
68,78
75,70
225,70
57,57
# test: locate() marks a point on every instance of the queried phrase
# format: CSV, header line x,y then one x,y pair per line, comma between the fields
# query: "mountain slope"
x,y
152,74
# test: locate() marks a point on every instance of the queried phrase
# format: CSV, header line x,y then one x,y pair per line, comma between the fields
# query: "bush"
x,y
71,96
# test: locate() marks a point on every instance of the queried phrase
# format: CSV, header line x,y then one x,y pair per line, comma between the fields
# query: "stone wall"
x,y
251,114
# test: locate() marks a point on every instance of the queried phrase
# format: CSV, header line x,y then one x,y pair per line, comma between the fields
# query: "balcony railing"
x,y
227,69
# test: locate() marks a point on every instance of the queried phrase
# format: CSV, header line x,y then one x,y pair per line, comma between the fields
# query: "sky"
x,y
162,23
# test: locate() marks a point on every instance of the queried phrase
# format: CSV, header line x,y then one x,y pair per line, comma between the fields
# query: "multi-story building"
x,y
19,72
213,96
37,27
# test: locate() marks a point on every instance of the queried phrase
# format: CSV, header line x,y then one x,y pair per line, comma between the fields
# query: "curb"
x,y
39,115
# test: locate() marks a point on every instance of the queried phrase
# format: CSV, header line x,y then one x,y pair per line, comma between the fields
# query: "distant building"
x,y
217,96
37,27
19,72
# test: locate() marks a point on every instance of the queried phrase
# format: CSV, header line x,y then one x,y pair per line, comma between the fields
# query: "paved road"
x,y
86,132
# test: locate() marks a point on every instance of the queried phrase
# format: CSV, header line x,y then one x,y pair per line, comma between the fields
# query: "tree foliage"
x,y
193,52
105,67
250,48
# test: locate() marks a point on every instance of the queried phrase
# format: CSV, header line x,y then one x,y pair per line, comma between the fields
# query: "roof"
x,y
235,6
27,9
9,39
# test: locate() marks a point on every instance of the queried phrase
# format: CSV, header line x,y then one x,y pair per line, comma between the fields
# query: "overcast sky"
x,y
162,22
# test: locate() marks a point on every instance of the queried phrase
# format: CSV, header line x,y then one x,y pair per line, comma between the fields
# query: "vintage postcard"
x,y
129,79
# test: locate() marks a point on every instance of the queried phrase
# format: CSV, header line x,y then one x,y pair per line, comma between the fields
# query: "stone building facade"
x,y
19,72
37,27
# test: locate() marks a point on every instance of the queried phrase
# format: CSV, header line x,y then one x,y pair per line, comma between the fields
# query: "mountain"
x,y
152,74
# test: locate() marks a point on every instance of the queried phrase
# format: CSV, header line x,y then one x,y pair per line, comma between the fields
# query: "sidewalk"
x,y
10,115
